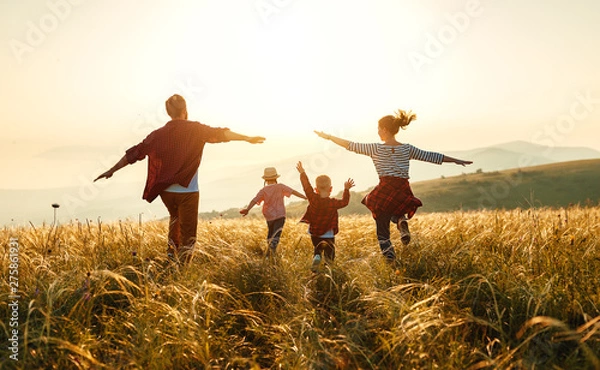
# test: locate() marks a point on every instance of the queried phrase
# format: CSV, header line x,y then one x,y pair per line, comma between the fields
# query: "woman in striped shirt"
x,y
392,199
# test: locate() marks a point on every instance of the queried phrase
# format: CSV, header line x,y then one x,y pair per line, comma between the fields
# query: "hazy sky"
x,y
96,73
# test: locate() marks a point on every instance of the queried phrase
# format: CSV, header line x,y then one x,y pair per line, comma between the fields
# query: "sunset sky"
x,y
95,74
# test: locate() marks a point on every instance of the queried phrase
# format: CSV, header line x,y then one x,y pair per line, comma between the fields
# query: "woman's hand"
x,y
460,162
336,140
323,135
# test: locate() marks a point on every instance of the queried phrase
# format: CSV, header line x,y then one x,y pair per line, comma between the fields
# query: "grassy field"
x,y
513,289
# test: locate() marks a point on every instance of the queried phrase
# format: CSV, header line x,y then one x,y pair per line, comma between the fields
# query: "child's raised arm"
x,y
341,203
308,190
349,184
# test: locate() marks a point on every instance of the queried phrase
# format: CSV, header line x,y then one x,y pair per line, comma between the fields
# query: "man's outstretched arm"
x,y
234,136
108,174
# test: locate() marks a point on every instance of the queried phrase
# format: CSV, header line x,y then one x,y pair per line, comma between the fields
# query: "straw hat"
x,y
270,173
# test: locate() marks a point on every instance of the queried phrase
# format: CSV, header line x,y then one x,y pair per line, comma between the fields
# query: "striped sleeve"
x,y
360,148
425,156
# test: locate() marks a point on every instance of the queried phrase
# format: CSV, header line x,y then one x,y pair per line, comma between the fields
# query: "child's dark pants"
x,y
324,246
274,233
382,222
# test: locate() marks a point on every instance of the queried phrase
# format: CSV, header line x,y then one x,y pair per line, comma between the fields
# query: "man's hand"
x,y
299,167
349,184
255,139
244,211
106,175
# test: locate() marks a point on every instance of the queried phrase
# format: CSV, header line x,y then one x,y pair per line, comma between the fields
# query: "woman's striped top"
x,y
392,160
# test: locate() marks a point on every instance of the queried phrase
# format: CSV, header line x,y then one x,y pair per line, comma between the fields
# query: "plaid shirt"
x,y
174,153
394,196
321,214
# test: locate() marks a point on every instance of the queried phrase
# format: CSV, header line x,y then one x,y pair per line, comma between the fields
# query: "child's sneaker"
x,y
171,254
404,232
315,263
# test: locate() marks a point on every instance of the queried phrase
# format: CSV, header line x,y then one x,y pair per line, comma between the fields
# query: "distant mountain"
x,y
515,153
555,154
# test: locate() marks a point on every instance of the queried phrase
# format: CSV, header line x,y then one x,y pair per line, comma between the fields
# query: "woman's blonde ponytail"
x,y
403,118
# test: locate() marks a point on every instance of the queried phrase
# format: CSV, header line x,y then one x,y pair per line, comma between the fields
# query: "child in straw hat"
x,y
273,208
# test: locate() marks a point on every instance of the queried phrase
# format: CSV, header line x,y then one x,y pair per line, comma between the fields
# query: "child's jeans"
x,y
382,222
324,246
274,234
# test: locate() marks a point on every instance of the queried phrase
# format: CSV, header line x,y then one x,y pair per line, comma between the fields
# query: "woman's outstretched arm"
x,y
339,141
457,161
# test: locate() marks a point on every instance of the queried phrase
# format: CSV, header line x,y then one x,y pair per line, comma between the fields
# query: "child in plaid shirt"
x,y
322,215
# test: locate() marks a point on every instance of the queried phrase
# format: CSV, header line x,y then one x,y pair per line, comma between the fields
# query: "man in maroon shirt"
x,y
174,153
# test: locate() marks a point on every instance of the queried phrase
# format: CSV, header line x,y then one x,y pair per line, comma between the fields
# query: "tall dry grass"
x,y
479,290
